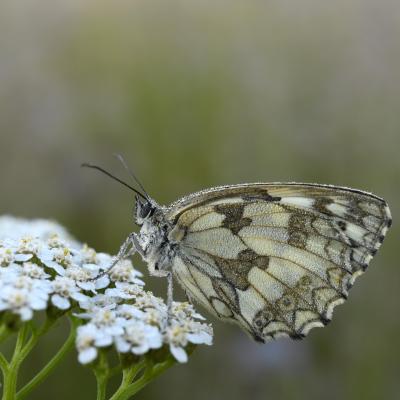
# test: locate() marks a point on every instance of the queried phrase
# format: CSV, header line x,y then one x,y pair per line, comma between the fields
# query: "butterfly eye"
x,y
146,210
143,209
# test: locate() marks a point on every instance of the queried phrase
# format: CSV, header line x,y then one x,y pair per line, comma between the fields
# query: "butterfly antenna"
x,y
87,165
130,172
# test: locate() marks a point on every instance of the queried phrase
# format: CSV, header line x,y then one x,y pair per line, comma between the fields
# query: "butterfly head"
x,y
144,209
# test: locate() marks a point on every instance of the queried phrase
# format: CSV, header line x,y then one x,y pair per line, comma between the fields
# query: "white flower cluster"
x,y
139,324
39,270
12,227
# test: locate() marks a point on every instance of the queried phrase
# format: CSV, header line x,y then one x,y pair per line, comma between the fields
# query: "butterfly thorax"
x,y
157,249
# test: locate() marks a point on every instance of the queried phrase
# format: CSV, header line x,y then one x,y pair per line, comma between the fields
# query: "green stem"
x,y
101,372
10,377
101,388
4,333
128,374
151,373
3,364
21,339
50,366
146,378
21,351
36,334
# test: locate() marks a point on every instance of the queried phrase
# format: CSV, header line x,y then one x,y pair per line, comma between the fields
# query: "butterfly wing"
x,y
275,258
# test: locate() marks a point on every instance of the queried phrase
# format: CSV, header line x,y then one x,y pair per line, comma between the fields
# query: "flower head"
x,y
42,267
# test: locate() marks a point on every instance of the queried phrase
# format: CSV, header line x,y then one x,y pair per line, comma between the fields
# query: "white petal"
x,y
103,341
122,345
45,255
114,330
60,302
22,257
86,285
199,338
179,353
57,267
79,296
114,292
135,272
83,315
102,282
198,316
153,337
137,281
88,355
25,313
128,309
141,349
91,267
38,303
155,342
86,303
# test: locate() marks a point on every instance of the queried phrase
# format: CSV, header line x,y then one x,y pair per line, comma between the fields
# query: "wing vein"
x,y
312,306
276,309
297,248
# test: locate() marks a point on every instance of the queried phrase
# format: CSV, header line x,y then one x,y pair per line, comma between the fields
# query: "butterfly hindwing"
x,y
275,258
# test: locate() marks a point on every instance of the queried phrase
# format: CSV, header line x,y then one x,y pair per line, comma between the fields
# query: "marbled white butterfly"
x,y
275,258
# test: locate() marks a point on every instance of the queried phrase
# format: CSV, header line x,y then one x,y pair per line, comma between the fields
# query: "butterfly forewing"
x,y
275,258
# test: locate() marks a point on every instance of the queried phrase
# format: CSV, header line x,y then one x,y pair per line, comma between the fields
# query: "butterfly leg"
x,y
128,248
169,296
136,246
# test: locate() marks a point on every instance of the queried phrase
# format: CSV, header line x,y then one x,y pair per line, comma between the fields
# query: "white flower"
x,y
16,250
139,338
34,271
65,289
148,300
24,296
124,290
155,317
62,255
46,257
128,312
16,301
82,276
15,228
199,333
176,337
6,256
185,309
97,301
89,338
28,245
102,314
123,271
10,274
89,255
109,321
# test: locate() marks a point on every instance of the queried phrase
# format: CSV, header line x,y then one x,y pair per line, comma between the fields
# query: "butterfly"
x,y
274,258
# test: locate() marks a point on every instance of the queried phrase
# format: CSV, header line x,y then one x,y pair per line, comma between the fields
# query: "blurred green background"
x,y
197,94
